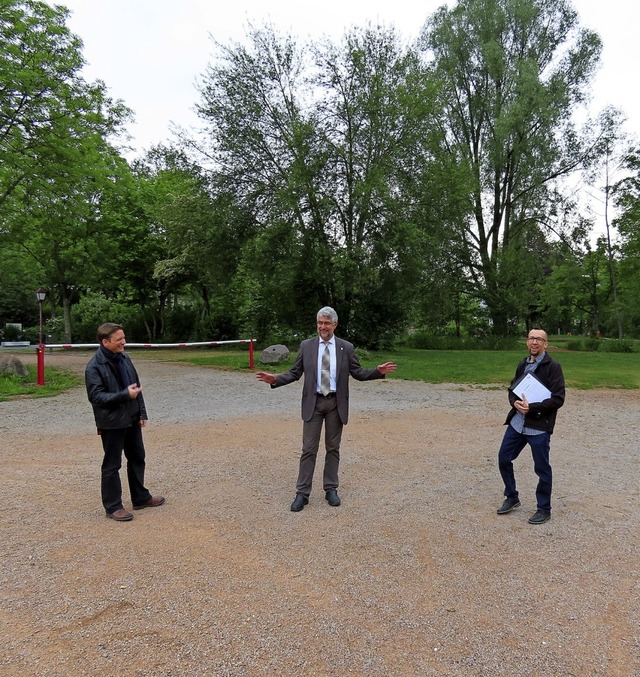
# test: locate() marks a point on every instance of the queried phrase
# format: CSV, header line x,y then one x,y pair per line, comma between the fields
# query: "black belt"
x,y
326,397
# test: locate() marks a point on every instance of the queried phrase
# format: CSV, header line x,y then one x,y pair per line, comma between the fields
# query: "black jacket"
x,y
112,406
541,415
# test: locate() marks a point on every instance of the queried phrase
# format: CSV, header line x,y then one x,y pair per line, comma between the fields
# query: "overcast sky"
x,y
150,53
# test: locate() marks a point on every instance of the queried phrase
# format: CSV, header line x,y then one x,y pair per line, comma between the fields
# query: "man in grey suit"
x,y
326,362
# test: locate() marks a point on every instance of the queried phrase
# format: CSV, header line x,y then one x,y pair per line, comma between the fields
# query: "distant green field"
x,y
582,369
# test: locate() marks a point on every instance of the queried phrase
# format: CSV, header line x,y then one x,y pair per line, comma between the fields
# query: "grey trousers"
x,y
326,412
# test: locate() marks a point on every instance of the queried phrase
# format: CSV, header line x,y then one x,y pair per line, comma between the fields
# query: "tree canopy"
x,y
511,75
419,185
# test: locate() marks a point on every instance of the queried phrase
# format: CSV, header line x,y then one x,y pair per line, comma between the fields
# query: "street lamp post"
x,y
40,296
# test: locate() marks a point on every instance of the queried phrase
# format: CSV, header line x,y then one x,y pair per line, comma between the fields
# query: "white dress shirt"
x,y
332,355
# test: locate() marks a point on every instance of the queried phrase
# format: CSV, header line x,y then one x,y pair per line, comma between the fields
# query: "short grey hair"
x,y
329,312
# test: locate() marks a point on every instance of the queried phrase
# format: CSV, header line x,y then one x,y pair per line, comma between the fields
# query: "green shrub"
x,y
617,346
575,345
423,341
93,309
362,354
179,324
592,343
12,333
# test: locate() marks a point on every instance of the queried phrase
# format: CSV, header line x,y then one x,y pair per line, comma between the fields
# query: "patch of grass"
x,y
581,370
56,381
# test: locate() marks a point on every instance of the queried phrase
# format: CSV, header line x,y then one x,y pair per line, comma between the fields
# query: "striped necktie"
x,y
325,371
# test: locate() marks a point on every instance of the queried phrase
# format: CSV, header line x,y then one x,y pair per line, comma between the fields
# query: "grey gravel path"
x,y
177,393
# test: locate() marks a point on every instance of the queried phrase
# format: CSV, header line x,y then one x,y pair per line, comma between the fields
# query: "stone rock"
x,y
10,364
274,354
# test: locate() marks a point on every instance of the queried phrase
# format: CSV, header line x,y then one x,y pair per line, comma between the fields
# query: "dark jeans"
x,y
113,443
512,444
326,412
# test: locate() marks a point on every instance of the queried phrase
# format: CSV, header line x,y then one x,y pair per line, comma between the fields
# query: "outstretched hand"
x,y
387,367
266,377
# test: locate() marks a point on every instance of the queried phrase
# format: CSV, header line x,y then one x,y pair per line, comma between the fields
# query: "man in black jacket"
x,y
532,423
113,388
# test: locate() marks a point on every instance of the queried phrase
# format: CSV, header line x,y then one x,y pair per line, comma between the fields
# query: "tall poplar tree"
x,y
512,74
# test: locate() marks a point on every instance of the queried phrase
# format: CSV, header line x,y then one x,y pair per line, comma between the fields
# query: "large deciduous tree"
x,y
627,199
512,74
319,146
55,158
200,232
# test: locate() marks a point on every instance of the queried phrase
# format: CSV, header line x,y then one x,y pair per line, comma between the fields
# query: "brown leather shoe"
x,y
153,502
120,515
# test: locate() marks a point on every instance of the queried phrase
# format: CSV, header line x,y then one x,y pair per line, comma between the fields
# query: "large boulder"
x,y
10,364
274,354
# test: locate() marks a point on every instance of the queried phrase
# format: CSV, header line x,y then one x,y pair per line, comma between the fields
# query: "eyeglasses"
x,y
536,339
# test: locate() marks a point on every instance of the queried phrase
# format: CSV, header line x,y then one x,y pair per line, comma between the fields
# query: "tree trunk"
x,y
66,314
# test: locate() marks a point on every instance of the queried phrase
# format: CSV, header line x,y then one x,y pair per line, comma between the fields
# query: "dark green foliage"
x,y
511,75
617,346
94,309
593,344
55,161
402,185
424,341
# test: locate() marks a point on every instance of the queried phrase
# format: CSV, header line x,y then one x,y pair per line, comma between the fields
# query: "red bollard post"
x,y
251,364
40,367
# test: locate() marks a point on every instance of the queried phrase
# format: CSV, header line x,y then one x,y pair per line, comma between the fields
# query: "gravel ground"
x,y
414,574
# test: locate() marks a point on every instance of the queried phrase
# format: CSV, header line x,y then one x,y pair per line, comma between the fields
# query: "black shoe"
x,y
299,502
540,517
332,497
508,505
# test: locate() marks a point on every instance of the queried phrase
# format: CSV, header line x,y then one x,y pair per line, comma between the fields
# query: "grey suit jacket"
x,y
307,364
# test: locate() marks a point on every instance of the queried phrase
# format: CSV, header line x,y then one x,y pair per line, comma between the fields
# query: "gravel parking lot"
x,y
414,574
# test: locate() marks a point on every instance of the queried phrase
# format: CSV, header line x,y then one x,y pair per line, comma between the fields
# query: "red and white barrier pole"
x,y
158,345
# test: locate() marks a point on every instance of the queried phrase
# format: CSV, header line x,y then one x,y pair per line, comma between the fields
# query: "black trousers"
x,y
114,442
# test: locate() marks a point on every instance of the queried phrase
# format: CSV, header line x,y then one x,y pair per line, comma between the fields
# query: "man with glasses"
x,y
532,423
326,362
